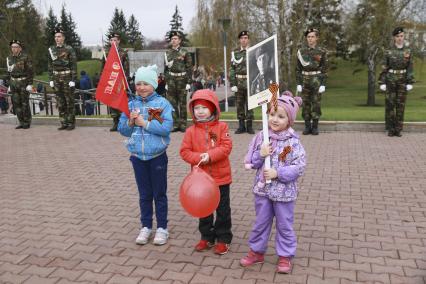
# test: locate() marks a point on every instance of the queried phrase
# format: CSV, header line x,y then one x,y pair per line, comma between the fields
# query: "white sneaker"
x,y
161,236
144,236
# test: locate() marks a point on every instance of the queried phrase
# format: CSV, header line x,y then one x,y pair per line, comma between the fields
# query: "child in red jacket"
x,y
208,142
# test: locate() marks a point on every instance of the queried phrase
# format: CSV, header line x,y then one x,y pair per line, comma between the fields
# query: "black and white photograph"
x,y
261,70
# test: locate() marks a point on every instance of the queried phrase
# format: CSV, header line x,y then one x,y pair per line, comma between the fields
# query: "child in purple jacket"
x,y
276,199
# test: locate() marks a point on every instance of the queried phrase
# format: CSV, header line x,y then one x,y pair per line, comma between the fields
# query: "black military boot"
x,y
308,128
114,125
63,126
71,127
250,127
315,127
241,127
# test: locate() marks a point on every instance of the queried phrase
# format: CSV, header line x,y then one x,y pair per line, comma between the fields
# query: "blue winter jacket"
x,y
151,141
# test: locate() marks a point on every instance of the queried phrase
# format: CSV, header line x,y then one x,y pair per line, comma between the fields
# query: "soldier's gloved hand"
x,y
71,84
167,87
234,89
299,88
321,89
8,89
187,87
29,88
409,87
51,84
383,87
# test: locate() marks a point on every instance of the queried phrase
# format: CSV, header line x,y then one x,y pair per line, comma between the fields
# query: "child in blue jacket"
x,y
148,129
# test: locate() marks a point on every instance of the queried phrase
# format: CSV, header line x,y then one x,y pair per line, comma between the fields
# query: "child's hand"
x,y
205,158
265,150
133,115
139,121
270,173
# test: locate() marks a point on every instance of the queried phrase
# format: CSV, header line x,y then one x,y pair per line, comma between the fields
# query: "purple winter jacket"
x,y
284,187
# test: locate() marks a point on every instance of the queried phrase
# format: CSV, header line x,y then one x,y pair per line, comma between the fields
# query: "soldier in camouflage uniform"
x,y
20,81
238,79
62,64
178,73
396,79
311,75
124,57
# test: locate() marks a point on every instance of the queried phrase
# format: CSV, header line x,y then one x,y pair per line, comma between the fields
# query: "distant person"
x,y
177,69
238,79
161,89
62,63
20,78
86,84
311,76
396,79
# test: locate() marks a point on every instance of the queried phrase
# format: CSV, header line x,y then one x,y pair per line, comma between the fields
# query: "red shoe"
x,y
252,258
284,265
203,245
221,248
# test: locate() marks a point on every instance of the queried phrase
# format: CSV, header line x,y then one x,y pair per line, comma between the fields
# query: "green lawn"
x,y
90,66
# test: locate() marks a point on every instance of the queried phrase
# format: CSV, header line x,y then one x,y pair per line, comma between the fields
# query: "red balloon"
x,y
199,193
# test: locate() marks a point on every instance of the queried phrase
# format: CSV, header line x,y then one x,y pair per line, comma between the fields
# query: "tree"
x,y
49,30
177,25
118,25
134,36
69,27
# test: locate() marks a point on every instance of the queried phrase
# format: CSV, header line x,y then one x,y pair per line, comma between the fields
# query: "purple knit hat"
x,y
290,104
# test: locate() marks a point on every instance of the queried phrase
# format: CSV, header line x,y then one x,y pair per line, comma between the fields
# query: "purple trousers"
x,y
285,238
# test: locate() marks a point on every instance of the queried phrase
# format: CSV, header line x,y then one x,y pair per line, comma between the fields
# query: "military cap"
x,y
15,41
243,33
312,30
175,33
114,34
397,31
59,29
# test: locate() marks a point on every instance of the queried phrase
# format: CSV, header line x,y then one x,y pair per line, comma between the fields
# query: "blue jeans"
x,y
151,179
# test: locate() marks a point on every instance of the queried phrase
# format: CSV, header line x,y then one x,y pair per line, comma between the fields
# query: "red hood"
x,y
204,94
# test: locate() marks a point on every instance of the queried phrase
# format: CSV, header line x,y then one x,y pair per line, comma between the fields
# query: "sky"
x,y
94,16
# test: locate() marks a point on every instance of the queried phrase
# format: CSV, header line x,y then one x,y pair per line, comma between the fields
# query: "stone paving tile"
x,y
69,212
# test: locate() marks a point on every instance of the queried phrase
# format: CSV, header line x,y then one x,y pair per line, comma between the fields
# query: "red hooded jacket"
x,y
208,137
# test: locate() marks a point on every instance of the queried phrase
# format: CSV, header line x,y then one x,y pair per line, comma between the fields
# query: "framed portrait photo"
x,y
262,70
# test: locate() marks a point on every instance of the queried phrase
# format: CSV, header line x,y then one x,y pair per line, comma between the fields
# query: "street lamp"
x,y
225,25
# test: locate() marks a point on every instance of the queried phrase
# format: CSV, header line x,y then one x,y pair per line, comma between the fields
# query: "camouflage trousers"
x,y
241,103
177,96
311,108
65,100
21,102
395,104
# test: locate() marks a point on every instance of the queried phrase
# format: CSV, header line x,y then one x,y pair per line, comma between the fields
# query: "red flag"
x,y
112,85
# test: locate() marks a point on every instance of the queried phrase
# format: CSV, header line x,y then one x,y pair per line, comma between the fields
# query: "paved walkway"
x,y
69,213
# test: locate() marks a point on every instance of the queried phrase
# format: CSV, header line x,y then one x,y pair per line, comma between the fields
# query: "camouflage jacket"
x,y
310,60
178,61
62,58
397,59
124,57
19,67
238,65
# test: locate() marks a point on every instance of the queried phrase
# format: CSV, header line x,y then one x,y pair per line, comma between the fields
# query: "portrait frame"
x,y
257,89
